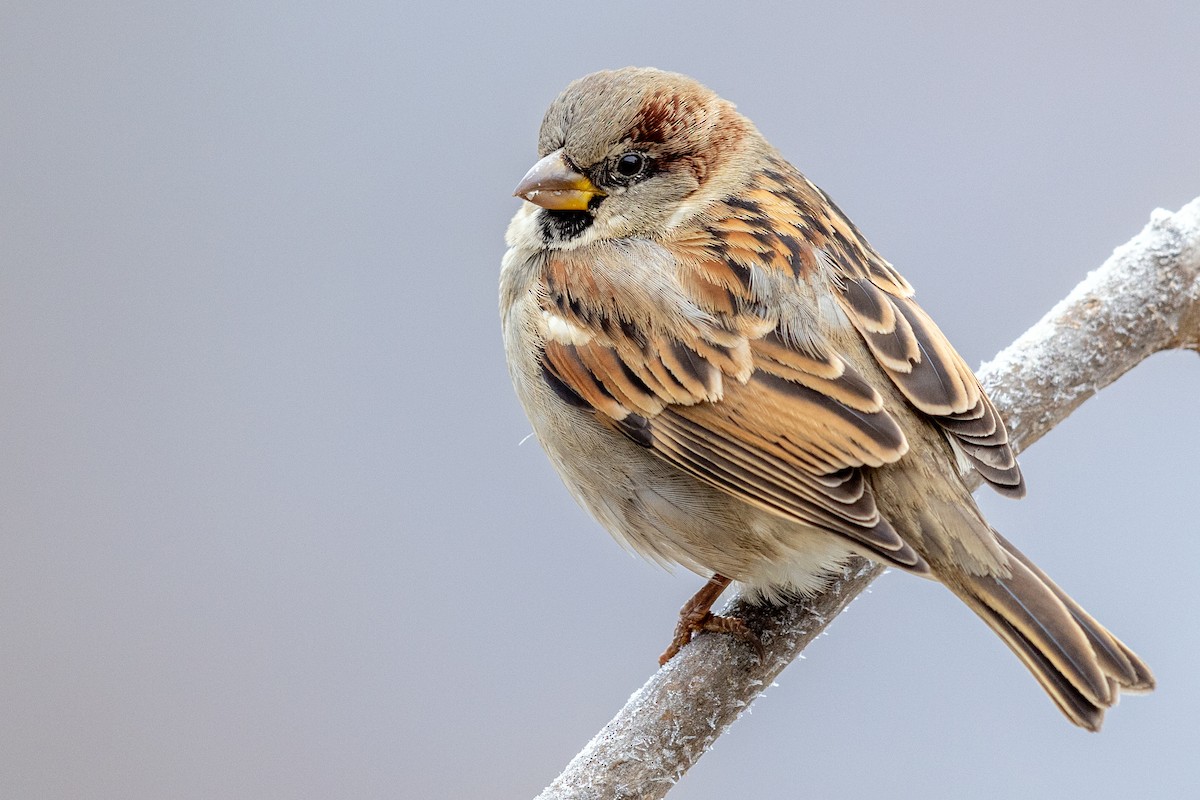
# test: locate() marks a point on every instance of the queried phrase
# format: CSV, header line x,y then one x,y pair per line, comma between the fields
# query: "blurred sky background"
x,y
267,529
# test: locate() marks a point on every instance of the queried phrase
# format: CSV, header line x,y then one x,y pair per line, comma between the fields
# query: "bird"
x,y
729,377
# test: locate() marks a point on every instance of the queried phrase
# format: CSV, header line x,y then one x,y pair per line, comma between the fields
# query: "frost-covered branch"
x,y
1145,298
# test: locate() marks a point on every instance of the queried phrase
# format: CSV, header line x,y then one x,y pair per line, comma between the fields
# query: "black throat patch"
x,y
563,226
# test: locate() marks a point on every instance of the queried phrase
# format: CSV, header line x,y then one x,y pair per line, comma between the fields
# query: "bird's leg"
x,y
696,617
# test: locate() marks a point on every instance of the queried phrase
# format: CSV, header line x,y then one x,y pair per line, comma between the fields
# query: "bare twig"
x,y
1145,298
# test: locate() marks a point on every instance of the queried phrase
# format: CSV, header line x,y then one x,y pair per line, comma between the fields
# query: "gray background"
x,y
266,527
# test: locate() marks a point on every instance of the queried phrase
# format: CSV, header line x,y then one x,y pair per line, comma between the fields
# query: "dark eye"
x,y
631,164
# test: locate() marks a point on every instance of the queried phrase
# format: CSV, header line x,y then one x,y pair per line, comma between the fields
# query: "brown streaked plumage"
x,y
729,377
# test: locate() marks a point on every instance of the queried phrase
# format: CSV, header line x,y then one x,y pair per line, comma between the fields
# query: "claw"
x,y
696,617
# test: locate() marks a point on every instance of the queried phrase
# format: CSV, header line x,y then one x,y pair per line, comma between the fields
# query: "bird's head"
x,y
633,153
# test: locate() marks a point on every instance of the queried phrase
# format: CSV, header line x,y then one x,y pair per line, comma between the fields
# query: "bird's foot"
x,y
696,617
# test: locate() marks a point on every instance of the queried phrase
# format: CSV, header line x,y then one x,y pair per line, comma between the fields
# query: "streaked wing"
x,y
909,347
916,355
781,427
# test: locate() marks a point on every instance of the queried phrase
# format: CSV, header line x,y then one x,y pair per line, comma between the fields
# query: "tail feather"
x,y
1119,662
1081,665
1081,710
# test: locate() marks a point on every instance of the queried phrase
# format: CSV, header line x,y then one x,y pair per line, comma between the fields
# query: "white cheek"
x,y
523,230
683,214
617,221
557,329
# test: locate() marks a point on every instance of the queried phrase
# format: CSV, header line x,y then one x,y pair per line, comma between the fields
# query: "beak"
x,y
554,185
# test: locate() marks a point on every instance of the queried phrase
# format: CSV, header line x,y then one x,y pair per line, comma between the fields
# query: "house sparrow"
x,y
729,377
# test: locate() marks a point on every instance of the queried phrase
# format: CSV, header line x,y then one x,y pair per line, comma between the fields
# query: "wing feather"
x,y
920,361
785,428
784,207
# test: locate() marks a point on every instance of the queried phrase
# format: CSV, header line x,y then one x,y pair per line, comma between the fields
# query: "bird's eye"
x,y
631,164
